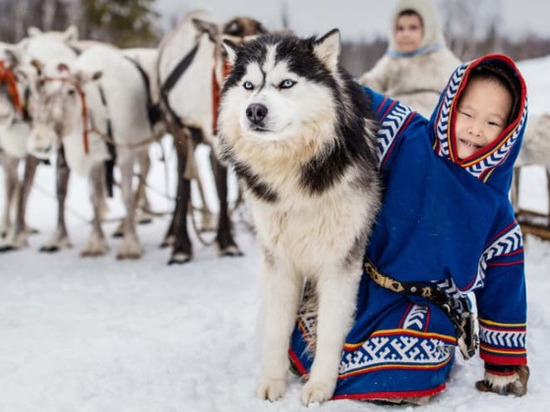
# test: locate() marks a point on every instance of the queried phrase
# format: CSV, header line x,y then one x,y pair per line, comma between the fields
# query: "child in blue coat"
x,y
446,231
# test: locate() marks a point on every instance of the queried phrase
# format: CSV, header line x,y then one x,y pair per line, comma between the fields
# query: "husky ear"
x,y
327,49
231,50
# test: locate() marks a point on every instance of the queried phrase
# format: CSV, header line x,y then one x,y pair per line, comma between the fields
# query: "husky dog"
x,y
297,130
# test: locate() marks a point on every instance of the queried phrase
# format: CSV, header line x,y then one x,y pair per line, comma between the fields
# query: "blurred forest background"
x,y
137,23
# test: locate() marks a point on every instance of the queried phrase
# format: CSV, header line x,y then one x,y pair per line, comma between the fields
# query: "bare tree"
x,y
466,23
48,14
19,18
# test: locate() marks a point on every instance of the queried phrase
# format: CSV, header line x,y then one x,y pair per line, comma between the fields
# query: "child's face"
x,y
482,115
408,33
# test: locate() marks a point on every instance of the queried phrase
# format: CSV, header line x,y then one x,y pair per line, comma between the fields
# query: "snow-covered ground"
x,y
102,335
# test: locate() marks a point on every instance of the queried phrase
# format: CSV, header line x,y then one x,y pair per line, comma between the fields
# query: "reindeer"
x,y
101,97
534,150
190,70
50,48
14,130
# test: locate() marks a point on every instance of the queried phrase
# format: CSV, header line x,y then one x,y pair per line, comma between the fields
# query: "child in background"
x,y
446,230
417,65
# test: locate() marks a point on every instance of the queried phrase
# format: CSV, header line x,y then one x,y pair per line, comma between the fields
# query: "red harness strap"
x,y
7,77
216,95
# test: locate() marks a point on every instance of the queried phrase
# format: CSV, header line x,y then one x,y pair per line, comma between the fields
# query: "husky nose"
x,y
256,112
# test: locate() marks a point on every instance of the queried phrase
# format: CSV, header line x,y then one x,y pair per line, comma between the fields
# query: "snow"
x,y
101,335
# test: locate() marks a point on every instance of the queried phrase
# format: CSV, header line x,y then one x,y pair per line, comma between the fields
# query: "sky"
x,y
358,19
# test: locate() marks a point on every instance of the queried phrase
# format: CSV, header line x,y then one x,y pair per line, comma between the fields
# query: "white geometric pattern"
x,y
398,349
509,339
416,318
390,128
442,123
510,241
442,120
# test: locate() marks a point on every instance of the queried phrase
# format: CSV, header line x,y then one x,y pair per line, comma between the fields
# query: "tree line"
x,y
471,28
124,23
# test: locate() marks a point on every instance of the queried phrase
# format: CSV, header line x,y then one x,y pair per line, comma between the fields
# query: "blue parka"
x,y
444,220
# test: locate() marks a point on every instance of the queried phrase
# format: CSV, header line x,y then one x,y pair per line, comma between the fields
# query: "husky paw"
x,y
316,392
271,389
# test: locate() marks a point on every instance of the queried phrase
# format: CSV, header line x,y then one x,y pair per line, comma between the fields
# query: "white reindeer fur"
x,y
125,96
197,79
13,135
536,143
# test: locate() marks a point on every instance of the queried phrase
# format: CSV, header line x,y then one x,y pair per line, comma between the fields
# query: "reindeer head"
x,y
58,106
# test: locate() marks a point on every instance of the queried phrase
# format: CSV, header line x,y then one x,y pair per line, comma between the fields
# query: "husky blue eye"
x,y
248,85
287,84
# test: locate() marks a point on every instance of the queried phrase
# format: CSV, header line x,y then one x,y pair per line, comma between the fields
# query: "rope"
x,y
67,208
133,145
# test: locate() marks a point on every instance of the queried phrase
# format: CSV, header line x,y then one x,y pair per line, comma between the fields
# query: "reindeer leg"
x,y
169,237
142,202
548,192
31,163
21,229
182,250
11,187
130,247
60,237
143,208
208,219
97,244
224,238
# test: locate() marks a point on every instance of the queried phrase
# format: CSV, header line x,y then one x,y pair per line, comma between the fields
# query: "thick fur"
x,y
310,171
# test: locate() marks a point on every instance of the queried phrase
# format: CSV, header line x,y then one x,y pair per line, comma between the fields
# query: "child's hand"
x,y
505,380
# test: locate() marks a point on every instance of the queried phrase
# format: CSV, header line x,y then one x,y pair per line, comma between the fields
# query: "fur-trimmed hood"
x,y
433,35
494,163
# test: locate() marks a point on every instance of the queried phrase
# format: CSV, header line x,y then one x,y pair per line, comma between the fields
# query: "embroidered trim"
x,y
388,394
509,242
502,338
406,350
479,167
390,129
416,317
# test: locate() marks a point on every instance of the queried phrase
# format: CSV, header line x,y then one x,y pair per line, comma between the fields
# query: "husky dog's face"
x,y
280,87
